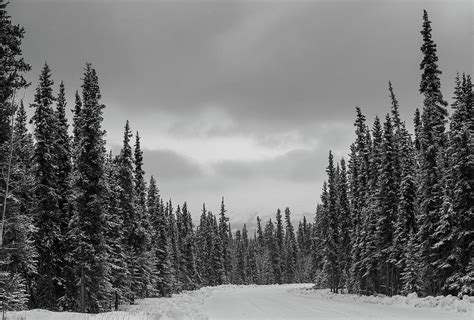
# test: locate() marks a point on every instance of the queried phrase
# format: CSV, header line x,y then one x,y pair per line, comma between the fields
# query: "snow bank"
x,y
183,306
39,314
442,303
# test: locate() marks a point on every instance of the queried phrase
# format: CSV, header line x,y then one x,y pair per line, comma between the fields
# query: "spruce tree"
x,y
189,277
217,263
260,238
63,155
162,271
117,253
140,222
359,172
49,218
225,241
243,263
331,244
345,225
291,249
89,221
127,210
18,254
62,150
398,126
175,254
260,250
369,258
239,263
432,142
320,247
405,223
388,207
279,237
203,248
12,69
273,252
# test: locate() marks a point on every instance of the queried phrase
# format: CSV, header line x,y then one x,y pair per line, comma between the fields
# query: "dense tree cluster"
x,y
81,230
401,219
85,232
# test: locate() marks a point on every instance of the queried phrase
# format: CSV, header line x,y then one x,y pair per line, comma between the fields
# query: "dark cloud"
x,y
198,78
283,62
168,165
297,166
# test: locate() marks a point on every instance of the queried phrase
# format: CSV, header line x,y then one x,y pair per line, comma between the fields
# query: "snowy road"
x,y
279,302
289,302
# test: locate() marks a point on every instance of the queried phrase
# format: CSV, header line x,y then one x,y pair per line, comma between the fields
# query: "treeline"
x,y
84,232
401,219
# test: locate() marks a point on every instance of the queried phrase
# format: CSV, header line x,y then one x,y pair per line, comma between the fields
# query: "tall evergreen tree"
x,y
331,246
48,214
279,237
345,225
18,253
273,253
140,223
388,207
359,172
119,269
175,254
245,274
225,241
239,262
127,208
12,69
203,248
189,276
217,263
89,220
432,142
291,249
405,224
162,279
62,154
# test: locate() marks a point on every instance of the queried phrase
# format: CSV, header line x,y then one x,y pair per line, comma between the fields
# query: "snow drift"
x,y
442,303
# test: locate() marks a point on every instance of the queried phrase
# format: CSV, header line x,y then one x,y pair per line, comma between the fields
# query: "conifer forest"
x,y
85,229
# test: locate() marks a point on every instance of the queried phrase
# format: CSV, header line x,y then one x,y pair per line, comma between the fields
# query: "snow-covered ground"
x,y
439,303
298,302
294,301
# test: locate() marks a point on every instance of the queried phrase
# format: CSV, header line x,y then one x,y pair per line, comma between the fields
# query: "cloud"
x,y
297,166
266,65
167,164
239,98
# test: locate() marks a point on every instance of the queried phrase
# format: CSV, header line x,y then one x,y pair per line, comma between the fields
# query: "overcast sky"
x,y
243,99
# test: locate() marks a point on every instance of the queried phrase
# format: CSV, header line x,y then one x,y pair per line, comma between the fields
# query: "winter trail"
x,y
280,302
267,302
